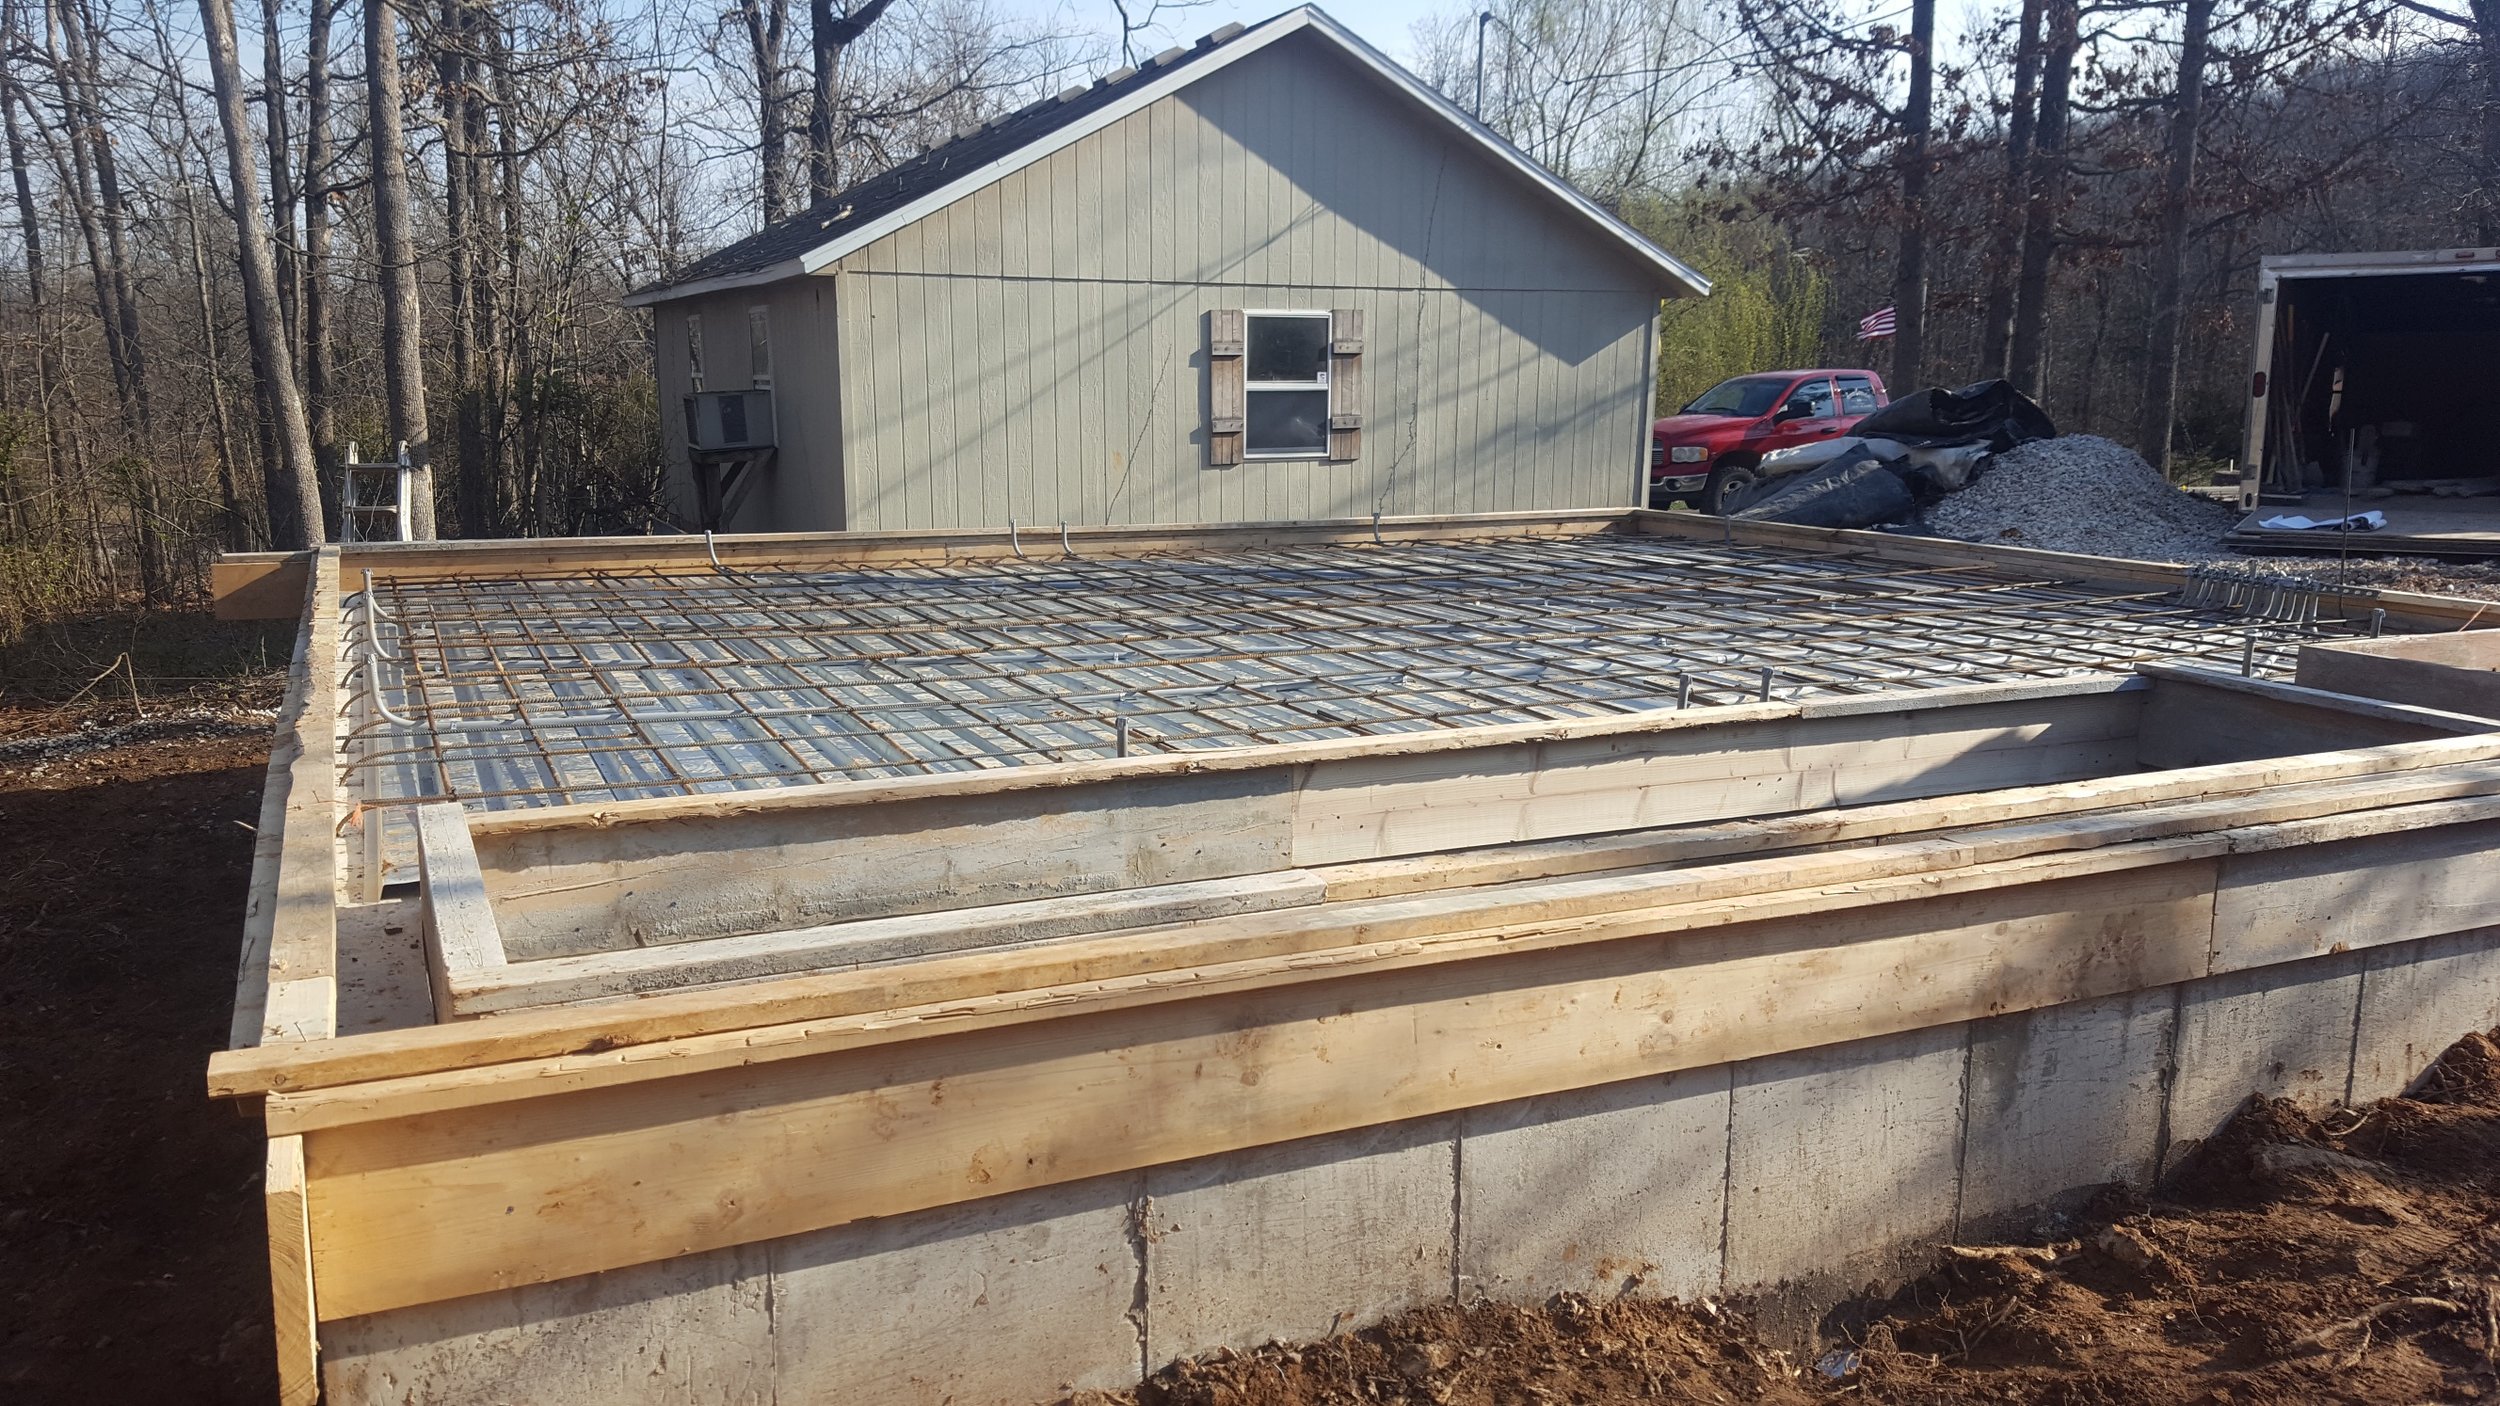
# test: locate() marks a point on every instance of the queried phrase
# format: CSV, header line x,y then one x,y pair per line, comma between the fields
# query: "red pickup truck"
x,y
1705,453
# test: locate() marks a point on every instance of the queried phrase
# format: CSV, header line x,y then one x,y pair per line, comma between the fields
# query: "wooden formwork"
x,y
655,1028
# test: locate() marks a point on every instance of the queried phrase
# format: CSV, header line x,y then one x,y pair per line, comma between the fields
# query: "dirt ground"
x,y
131,1245
2353,1258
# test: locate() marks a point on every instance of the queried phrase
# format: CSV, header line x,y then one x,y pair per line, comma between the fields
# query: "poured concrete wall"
x,y
1798,1177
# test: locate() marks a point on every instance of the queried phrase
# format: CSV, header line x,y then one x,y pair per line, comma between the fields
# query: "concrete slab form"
x,y
551,690
1119,1033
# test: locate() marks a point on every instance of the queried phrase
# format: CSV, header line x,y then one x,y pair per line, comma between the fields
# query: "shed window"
x,y
759,346
694,350
1286,384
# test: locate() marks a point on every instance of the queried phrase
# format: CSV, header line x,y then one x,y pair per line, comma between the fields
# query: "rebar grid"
x,y
607,687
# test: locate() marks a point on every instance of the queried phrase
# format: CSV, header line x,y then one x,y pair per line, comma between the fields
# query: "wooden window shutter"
x,y
1226,400
1345,385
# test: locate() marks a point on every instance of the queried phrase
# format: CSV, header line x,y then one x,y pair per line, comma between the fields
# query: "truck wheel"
x,y
1726,488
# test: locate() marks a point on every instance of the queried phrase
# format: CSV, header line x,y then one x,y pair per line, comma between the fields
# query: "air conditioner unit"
x,y
729,420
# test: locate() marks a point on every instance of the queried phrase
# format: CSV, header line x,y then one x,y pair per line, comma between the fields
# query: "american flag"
x,y
1875,324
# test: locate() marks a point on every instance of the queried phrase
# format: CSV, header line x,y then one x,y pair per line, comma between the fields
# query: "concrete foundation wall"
x,y
1799,1177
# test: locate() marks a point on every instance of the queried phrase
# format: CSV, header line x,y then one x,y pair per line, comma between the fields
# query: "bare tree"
x,y
1909,282
2006,248
294,489
833,32
2161,369
2481,22
766,22
395,253
1140,19
2044,192
319,389
281,160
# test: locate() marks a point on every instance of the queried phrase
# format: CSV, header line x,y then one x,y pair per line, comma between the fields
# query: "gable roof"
x,y
849,221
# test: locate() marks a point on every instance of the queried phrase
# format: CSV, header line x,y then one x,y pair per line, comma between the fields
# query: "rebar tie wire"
x,y
940,693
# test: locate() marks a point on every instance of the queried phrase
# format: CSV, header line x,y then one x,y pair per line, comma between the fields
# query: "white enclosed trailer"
x,y
2375,386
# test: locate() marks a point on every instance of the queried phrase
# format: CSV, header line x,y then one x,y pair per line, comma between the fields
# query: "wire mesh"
x,y
552,690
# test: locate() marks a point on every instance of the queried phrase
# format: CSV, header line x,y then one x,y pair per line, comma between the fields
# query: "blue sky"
x,y
1388,24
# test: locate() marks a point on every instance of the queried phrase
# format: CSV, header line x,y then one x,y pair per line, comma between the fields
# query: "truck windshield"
x,y
1747,396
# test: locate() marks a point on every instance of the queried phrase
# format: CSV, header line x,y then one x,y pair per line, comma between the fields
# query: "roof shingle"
x,y
891,190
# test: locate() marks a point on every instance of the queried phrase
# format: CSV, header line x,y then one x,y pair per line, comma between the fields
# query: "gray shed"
x,y
1271,276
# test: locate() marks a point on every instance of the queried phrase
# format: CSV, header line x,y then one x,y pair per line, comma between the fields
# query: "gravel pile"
x,y
95,737
2083,493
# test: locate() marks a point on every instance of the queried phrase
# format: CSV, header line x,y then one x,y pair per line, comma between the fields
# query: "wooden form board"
x,y
974,1099
932,875
2458,671
290,1274
249,585
287,987
1366,923
303,1065
2225,719
2405,609
672,872
415,1208
266,585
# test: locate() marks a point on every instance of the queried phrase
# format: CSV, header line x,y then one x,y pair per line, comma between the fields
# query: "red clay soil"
x,y
131,1246
2350,1258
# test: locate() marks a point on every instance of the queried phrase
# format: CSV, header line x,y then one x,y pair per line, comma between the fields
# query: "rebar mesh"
x,y
607,687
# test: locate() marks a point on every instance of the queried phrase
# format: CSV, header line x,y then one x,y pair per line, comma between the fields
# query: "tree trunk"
x,y
2161,363
238,529
30,232
2045,193
1909,278
832,34
2486,15
103,214
85,134
403,372
281,162
1997,320
295,499
765,21
454,77
318,155
484,226
511,355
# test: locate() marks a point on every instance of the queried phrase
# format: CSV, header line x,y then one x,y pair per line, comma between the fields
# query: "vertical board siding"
x,y
804,484
1036,350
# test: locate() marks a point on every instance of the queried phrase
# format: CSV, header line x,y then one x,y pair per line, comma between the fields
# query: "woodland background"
x,y
234,244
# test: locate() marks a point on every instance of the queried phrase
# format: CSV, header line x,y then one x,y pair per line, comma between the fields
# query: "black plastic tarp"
x,y
1854,490
1989,412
